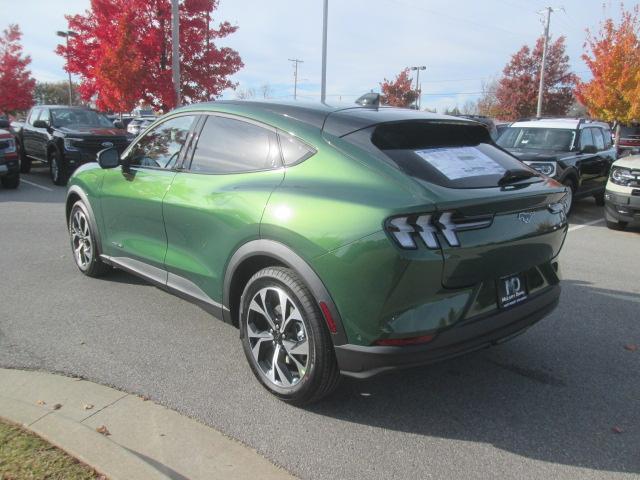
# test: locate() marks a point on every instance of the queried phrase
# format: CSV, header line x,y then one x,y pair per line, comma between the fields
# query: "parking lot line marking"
x,y
36,185
592,222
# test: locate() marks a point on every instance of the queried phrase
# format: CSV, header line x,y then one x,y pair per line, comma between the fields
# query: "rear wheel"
x,y
599,199
57,168
83,242
10,181
285,339
616,225
25,162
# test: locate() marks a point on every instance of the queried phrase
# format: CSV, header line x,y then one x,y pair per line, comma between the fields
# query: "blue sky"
x,y
462,42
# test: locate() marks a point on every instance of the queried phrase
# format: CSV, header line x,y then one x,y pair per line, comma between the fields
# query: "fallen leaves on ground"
x,y
103,430
57,406
617,429
88,406
41,402
631,347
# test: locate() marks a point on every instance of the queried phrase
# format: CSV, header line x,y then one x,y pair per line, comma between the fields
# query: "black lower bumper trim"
x,y
363,361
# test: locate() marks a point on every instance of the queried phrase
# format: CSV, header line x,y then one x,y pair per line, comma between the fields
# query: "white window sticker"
x,y
461,162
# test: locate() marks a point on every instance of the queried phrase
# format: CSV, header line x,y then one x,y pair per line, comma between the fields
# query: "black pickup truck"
x,y
64,138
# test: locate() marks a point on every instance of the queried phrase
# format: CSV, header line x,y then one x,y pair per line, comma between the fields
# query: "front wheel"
x,y
285,339
599,197
10,181
57,168
83,242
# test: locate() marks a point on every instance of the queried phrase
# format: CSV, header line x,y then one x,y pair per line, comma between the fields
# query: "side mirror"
x,y
108,158
589,149
41,124
118,124
4,123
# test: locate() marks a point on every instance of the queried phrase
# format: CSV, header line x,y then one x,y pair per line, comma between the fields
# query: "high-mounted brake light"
x,y
404,229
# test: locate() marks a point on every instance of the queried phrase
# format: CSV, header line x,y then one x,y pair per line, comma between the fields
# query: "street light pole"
x,y
175,48
417,70
66,36
323,84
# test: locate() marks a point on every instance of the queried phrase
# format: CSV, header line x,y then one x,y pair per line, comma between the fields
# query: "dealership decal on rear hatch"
x,y
461,162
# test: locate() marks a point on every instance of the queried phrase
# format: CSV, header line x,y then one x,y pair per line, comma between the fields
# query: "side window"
x,y
293,150
598,139
160,147
586,139
44,115
227,145
34,115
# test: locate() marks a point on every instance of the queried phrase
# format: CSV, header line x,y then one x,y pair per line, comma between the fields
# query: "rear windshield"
x,y
629,131
447,154
557,139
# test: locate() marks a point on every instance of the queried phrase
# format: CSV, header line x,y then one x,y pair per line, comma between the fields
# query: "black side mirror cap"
x,y
40,124
118,124
108,158
4,123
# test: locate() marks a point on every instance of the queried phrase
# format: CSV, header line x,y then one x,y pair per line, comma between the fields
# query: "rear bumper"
x,y
474,334
620,207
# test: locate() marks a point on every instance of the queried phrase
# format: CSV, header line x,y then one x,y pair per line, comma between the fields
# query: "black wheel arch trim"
x,y
285,255
76,190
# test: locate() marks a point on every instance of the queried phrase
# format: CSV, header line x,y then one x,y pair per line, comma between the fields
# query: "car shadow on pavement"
x,y
566,392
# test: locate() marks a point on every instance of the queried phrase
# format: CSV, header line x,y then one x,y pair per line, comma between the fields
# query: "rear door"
x,y
589,164
216,202
132,194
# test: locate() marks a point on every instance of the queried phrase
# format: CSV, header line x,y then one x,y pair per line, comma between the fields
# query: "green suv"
x,y
339,240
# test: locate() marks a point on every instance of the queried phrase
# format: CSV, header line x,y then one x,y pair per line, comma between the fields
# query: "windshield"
x,y
537,139
75,117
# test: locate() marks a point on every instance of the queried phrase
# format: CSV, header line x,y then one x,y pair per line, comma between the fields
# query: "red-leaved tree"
x,y
517,92
122,53
16,83
398,92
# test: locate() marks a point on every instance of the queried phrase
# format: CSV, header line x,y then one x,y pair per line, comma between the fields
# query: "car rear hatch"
x,y
494,216
629,136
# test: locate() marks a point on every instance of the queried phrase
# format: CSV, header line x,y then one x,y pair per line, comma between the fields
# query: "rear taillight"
x,y
406,229
400,342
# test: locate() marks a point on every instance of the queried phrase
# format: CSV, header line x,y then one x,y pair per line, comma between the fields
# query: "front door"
x,y
216,204
132,194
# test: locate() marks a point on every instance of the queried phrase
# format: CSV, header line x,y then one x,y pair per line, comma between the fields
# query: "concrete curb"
x,y
145,441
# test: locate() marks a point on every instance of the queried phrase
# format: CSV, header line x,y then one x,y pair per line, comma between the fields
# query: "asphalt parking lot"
x,y
544,405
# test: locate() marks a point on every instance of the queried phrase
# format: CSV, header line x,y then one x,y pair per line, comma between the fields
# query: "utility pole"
x,y
417,69
175,49
295,76
323,84
66,36
547,22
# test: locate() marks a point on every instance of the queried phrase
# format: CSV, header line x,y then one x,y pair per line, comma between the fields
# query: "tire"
x,y
57,168
10,181
83,242
599,199
25,162
616,225
571,185
295,377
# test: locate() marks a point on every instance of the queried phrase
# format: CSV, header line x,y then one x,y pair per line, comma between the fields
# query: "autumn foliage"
x,y
613,56
16,84
122,53
517,91
398,93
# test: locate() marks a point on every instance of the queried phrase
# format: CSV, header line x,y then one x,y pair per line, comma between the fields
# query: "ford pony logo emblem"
x,y
107,144
525,217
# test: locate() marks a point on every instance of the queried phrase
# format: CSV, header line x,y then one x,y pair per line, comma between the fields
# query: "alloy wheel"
x,y
277,337
81,239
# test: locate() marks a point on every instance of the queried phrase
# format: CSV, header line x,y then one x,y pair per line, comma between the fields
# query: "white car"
x,y
622,195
